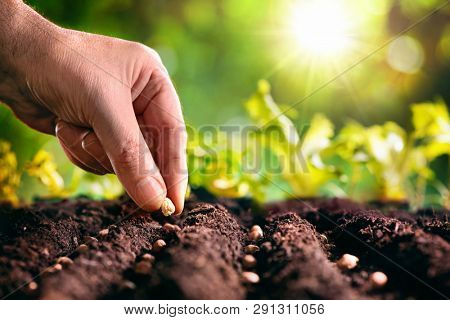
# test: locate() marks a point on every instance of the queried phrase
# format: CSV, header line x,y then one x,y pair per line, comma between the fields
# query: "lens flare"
x,y
321,27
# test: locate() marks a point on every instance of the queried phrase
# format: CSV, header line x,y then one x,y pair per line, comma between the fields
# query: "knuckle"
x,y
128,156
154,54
146,51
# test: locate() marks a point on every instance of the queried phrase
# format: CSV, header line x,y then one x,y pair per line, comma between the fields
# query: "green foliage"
x,y
366,163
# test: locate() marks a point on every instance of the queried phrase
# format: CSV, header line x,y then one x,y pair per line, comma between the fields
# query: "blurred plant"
x,y
366,163
44,168
9,177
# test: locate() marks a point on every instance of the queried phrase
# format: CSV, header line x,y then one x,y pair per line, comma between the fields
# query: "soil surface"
x,y
113,250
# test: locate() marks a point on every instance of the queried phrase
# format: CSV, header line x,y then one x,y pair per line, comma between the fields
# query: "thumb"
x,y
118,131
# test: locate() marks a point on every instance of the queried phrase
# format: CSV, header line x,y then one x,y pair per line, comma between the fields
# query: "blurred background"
x,y
217,50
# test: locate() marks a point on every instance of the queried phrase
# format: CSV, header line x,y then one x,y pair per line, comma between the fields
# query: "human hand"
x,y
112,103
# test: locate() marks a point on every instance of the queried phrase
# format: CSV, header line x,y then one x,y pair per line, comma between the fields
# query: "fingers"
x,y
76,162
71,139
165,131
118,132
92,145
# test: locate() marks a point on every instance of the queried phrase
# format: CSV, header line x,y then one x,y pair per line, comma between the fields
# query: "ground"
x,y
204,258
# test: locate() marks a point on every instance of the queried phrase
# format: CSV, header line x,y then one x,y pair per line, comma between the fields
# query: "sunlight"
x,y
321,27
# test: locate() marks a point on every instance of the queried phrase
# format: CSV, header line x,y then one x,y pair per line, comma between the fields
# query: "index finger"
x,y
165,132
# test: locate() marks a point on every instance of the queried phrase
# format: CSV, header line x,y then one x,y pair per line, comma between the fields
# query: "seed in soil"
x,y
378,279
167,207
127,285
64,261
55,268
159,245
148,257
143,267
171,227
58,267
88,240
251,248
250,277
103,233
32,286
249,261
82,248
347,262
257,228
323,238
255,233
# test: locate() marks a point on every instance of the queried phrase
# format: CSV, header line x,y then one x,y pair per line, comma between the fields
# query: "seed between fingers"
x,y
167,207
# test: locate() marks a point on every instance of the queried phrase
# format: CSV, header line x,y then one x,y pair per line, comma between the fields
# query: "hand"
x,y
111,102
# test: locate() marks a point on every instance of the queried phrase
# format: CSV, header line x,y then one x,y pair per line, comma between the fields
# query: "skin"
x,y
110,102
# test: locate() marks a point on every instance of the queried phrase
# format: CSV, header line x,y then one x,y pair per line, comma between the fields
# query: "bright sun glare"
x,y
321,27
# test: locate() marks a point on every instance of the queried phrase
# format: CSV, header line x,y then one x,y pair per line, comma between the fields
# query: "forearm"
x,y
25,39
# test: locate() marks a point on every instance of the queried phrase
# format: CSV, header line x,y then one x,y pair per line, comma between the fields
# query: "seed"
x,y
249,261
32,285
143,267
167,207
127,285
250,277
89,240
251,248
171,227
159,245
255,233
257,228
323,238
55,268
82,248
103,233
378,279
148,257
64,261
347,262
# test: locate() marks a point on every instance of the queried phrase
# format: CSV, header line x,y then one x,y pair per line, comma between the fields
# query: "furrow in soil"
x,y
201,263
411,249
415,261
31,238
294,263
100,267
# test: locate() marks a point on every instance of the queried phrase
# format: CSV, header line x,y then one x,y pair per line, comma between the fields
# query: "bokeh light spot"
x,y
405,54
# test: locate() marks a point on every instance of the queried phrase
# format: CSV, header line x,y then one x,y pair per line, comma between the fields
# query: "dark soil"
x,y
205,258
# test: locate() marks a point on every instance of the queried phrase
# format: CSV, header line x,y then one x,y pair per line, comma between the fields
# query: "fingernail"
x,y
150,194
